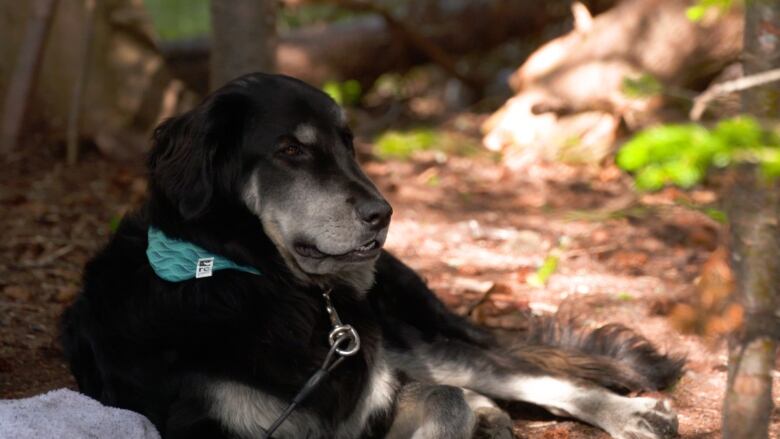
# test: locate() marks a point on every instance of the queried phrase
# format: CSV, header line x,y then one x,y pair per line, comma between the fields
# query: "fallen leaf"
x,y
470,284
17,293
66,294
469,270
542,275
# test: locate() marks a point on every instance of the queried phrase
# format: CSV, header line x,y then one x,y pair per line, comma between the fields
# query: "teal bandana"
x,y
175,260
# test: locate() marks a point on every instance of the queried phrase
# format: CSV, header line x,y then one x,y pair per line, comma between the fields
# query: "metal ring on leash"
x,y
339,334
342,332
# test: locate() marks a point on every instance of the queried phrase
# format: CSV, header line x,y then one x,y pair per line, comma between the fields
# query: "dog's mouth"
x,y
363,252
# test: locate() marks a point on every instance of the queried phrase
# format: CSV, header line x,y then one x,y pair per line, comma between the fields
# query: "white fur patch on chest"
x,y
377,397
247,411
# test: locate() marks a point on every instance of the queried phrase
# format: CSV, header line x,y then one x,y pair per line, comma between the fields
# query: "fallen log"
x,y
367,46
571,93
129,80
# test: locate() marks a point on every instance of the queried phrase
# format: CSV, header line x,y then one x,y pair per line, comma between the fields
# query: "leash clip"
x,y
340,332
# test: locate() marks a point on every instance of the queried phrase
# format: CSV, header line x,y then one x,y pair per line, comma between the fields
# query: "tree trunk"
x,y
243,37
25,71
754,214
753,210
77,99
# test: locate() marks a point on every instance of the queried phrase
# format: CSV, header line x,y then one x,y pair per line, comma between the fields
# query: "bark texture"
x,y
25,71
243,35
754,214
754,210
77,99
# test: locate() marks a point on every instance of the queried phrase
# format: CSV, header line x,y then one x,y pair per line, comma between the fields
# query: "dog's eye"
x,y
348,140
291,150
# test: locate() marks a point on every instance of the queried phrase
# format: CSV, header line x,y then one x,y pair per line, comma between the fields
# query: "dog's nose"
x,y
375,213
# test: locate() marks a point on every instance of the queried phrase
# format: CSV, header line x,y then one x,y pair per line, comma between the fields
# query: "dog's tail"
x,y
613,355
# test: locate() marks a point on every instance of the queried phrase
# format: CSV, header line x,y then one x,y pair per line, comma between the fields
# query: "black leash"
x,y
338,335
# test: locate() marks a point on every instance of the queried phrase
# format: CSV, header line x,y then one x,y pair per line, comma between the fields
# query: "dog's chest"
x,y
376,399
359,392
247,410
376,396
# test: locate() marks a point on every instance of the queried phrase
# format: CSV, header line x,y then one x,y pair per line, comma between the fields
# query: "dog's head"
x,y
281,150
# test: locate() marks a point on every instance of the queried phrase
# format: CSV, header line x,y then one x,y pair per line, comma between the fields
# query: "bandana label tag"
x,y
205,268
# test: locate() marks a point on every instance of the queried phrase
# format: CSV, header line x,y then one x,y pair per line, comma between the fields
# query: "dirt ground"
x,y
475,229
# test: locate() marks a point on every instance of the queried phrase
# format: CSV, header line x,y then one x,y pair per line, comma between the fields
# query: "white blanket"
x,y
65,414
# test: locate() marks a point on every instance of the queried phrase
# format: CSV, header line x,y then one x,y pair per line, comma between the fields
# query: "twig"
x,y
701,102
74,116
416,39
47,259
39,239
27,62
590,251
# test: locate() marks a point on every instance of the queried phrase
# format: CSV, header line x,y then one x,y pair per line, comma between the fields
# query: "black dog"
x,y
262,177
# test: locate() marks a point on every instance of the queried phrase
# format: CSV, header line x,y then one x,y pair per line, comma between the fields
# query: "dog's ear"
x,y
191,154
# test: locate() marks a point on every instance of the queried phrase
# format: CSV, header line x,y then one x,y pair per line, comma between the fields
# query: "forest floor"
x,y
477,230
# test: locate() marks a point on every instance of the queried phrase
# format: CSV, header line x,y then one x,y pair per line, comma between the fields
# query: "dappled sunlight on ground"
x,y
477,231
620,258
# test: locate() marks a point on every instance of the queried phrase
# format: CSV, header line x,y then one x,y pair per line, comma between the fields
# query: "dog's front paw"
x,y
647,418
492,423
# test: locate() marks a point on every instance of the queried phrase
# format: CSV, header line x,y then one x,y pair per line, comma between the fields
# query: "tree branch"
x,y
701,102
416,39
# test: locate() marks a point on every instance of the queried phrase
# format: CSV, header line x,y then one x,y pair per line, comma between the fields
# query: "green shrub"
x,y
179,19
402,144
682,154
345,93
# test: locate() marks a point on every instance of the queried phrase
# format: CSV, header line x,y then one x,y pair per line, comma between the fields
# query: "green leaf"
x,y
352,92
345,93
682,154
717,215
650,178
179,19
645,85
332,89
543,273
397,144
113,224
740,132
695,13
770,166
634,154
683,174
698,11
310,14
